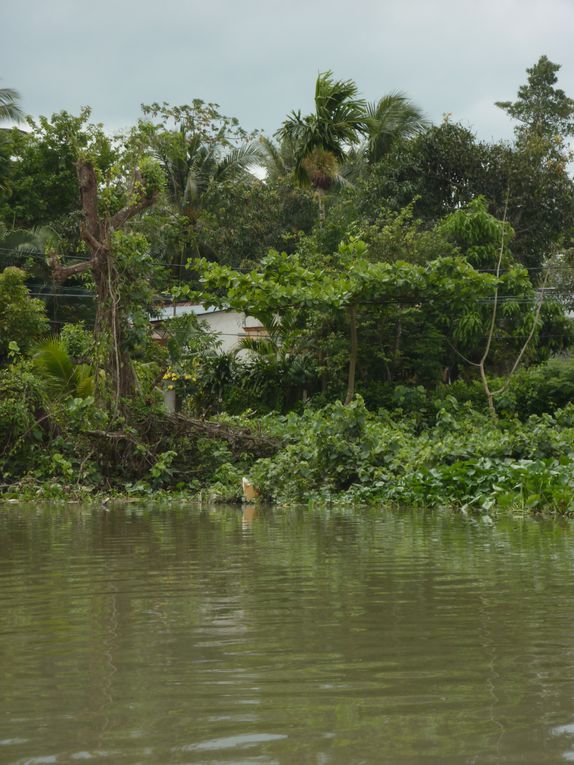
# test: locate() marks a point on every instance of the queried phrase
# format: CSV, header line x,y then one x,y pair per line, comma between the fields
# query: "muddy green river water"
x,y
164,634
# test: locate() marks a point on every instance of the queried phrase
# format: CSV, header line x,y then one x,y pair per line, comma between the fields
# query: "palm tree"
x,y
278,159
193,167
19,243
322,139
61,376
278,373
391,118
324,142
9,108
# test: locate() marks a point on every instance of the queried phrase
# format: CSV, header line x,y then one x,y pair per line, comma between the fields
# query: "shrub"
x,y
22,318
460,459
21,417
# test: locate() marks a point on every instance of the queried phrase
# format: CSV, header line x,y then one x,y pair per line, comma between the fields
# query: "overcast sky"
x,y
259,58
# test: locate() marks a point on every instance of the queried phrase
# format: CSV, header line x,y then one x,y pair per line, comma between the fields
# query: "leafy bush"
x,y
21,413
540,389
77,342
22,318
544,388
462,459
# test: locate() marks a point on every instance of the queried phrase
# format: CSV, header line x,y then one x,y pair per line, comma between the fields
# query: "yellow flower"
x,y
170,387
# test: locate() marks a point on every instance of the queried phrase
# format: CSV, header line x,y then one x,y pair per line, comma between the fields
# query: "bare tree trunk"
x,y
352,313
111,320
109,330
487,391
490,336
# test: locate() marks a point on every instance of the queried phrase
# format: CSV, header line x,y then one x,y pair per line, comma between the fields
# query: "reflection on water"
x,y
180,635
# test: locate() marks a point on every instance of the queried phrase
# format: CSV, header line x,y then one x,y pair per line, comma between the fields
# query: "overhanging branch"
x,y
127,212
61,273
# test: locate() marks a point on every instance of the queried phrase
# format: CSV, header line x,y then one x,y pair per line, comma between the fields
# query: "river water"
x,y
183,635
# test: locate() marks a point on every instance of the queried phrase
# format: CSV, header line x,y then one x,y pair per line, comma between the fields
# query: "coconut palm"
x,y
278,159
9,110
391,118
192,167
9,107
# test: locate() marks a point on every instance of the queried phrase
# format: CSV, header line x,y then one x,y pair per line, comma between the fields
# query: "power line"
x,y
501,299
63,295
428,334
43,256
71,256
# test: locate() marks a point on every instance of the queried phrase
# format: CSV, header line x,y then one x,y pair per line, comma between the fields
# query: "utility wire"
x,y
43,256
476,337
71,256
382,303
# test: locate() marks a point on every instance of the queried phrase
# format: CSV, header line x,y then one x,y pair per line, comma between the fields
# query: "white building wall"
x,y
230,326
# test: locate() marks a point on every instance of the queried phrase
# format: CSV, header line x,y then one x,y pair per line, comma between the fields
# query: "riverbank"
x,y
461,460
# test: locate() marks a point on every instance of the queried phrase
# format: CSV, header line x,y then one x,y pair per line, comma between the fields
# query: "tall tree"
x,y
446,167
9,110
193,167
100,230
545,113
199,149
42,172
322,138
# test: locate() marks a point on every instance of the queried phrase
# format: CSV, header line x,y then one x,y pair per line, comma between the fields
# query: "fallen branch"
x,y
234,435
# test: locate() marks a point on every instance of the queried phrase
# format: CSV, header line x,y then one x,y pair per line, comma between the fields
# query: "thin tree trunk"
x,y
397,348
489,393
352,313
109,330
321,203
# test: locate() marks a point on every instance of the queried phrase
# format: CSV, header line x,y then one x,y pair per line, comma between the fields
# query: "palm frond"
x,y
278,159
238,160
60,375
391,118
55,366
9,108
261,346
85,383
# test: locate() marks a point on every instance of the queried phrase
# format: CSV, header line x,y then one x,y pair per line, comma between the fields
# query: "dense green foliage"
x,y
460,459
412,283
22,319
